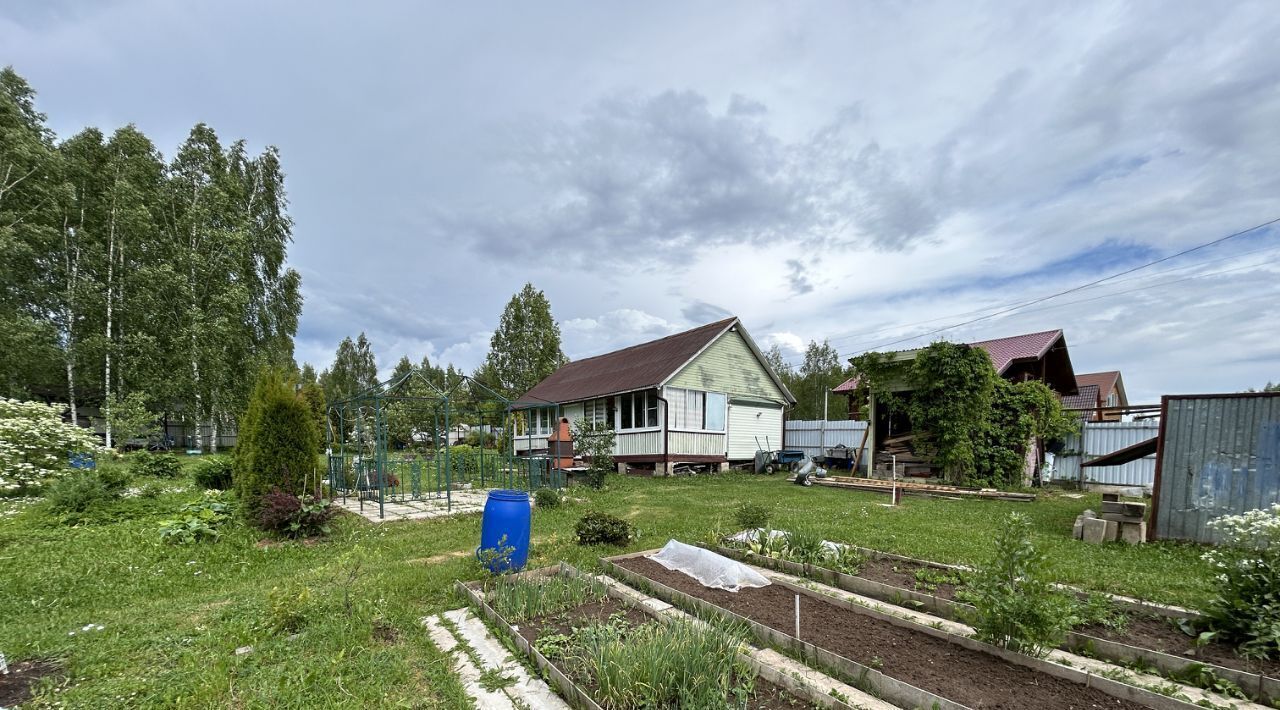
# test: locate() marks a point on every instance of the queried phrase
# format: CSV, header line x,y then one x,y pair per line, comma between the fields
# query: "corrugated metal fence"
x,y
1219,455
808,436
1100,438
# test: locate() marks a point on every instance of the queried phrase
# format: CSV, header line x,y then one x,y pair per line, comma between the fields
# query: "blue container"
x,y
504,532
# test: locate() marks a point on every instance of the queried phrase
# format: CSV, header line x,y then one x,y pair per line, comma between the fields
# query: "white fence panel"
x,y
1100,438
808,436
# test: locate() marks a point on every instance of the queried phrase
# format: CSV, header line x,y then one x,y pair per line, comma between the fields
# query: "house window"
x,y
1111,399
540,422
638,410
715,411
691,410
596,411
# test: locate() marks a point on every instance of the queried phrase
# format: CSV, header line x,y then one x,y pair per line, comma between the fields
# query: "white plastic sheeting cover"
x,y
712,570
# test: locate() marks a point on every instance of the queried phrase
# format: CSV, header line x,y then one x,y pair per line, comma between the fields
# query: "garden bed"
x,y
908,663
545,636
1147,635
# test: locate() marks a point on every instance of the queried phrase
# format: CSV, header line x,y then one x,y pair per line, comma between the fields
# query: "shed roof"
x,y
632,368
1004,352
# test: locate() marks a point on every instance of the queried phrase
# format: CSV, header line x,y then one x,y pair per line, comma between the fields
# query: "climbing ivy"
x,y
978,424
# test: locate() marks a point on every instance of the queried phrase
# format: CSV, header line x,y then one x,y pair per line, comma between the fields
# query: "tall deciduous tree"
x,y
525,348
30,197
820,371
354,370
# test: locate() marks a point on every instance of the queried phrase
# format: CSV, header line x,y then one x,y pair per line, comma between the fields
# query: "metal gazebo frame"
x,y
417,462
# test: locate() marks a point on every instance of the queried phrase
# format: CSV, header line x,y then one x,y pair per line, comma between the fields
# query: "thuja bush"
x,y
276,445
1016,606
1245,607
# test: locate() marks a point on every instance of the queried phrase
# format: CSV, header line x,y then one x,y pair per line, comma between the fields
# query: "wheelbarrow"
x,y
770,461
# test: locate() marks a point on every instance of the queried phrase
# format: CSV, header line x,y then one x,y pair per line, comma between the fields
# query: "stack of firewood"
x,y
913,454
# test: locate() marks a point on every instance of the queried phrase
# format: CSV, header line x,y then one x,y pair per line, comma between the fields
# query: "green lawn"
x,y
173,617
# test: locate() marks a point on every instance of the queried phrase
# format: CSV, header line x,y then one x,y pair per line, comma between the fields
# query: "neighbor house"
x,y
704,396
1099,392
1039,356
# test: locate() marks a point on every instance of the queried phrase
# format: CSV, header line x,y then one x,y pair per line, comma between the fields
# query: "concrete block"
x,y
1113,531
1133,510
1121,518
1094,530
1077,530
1133,533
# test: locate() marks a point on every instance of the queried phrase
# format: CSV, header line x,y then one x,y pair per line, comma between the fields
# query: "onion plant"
x,y
520,598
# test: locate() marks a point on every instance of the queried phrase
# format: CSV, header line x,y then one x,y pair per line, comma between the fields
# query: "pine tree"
x,y
525,348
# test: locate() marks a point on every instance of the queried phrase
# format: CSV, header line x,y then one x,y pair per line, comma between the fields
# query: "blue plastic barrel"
x,y
504,532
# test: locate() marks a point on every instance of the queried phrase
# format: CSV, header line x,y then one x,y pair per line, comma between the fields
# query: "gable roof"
x,y
1104,381
637,367
1004,352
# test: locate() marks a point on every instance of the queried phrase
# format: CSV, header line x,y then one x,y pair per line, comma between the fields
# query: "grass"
x,y
173,616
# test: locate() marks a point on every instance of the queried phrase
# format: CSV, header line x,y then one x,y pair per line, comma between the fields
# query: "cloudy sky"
x,y
864,172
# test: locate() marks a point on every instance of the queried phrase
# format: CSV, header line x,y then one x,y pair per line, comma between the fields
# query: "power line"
x,y
1196,265
1073,289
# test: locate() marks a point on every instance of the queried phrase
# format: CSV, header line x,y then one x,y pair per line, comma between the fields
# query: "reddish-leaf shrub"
x,y
288,515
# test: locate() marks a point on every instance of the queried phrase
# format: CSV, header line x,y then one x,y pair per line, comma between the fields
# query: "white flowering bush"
x,y
35,443
1245,608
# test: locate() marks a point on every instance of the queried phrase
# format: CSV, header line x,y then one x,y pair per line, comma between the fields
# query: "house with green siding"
x,y
704,396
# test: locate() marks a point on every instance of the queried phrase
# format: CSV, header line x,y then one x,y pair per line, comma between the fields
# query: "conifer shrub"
x,y
276,445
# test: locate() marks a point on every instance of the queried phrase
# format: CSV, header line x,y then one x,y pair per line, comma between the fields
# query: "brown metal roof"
x,y
637,367
1005,352
1087,399
1104,381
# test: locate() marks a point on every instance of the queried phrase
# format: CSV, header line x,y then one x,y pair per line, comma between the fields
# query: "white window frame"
x,y
596,411
648,403
680,410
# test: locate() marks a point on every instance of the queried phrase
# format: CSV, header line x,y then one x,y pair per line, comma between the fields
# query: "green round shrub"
x,y
596,528
213,474
546,498
145,463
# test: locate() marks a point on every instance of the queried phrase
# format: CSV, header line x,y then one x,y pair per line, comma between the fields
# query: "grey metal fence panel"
x,y
808,436
1220,456
1100,438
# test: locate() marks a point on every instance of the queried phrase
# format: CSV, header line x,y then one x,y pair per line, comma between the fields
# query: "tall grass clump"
x,y
676,665
520,598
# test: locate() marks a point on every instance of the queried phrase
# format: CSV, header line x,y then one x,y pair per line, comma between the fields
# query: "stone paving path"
x,y
464,503
476,653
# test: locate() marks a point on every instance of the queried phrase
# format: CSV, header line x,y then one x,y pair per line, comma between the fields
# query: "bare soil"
x,y
972,678
767,695
903,575
15,687
1161,634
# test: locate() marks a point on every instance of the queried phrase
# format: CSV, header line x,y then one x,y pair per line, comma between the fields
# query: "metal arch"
x,y
361,452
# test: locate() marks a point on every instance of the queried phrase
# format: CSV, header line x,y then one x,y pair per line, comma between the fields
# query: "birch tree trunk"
x,y
111,265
